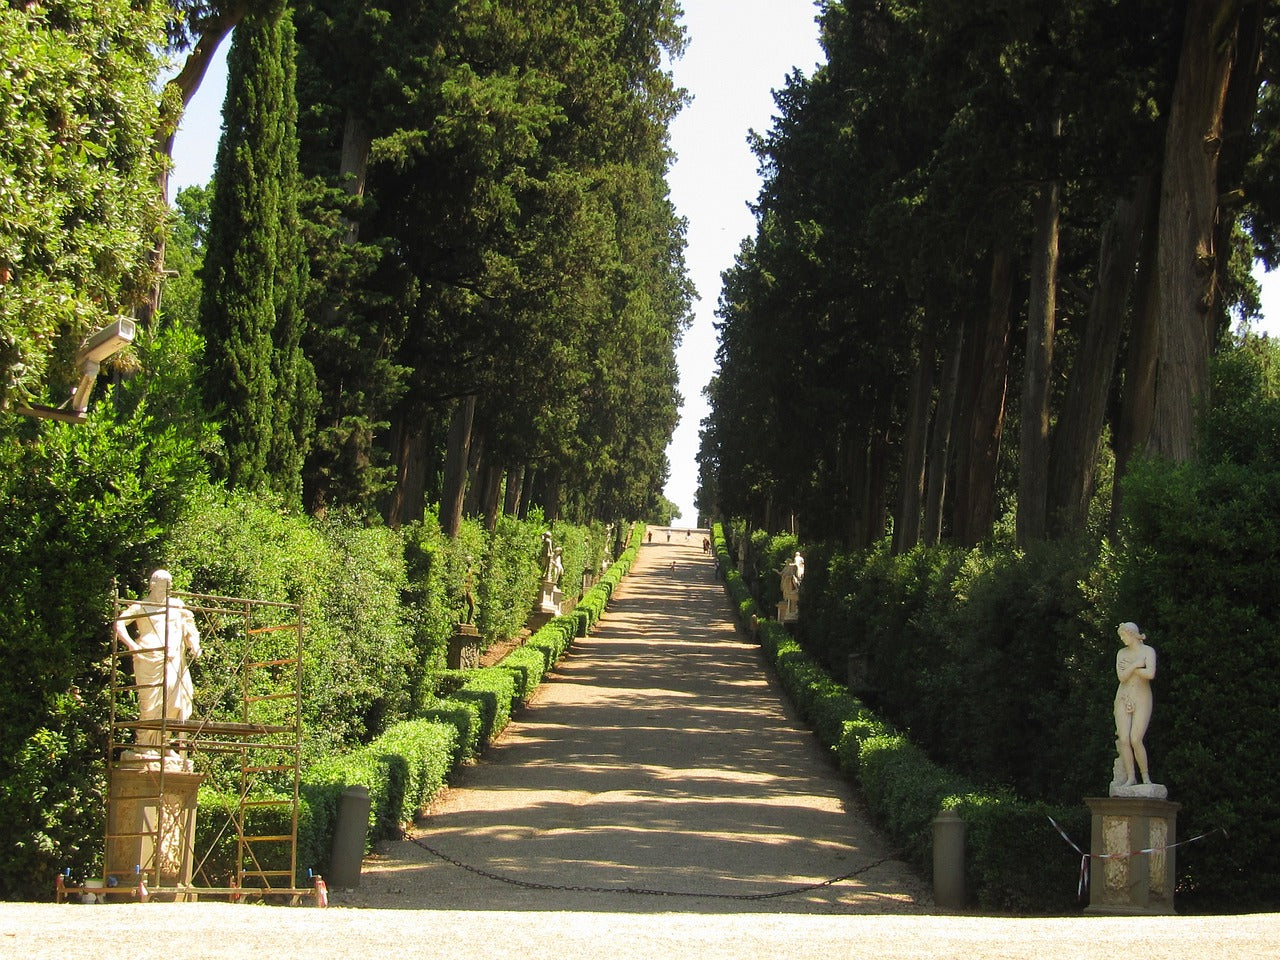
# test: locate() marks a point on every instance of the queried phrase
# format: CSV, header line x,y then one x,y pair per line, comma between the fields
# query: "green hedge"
x,y
402,770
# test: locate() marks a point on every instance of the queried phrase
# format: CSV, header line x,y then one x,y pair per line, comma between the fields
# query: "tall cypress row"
x,y
257,382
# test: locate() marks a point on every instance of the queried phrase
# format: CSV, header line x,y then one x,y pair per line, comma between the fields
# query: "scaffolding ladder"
x,y
251,730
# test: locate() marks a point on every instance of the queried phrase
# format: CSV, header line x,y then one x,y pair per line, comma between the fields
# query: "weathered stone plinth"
x,y
464,648
551,598
788,611
140,816
1122,880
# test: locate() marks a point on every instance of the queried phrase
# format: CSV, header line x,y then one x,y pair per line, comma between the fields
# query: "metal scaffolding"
x,y
243,737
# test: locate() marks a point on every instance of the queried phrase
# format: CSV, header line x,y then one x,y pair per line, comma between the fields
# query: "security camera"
x,y
101,346
106,343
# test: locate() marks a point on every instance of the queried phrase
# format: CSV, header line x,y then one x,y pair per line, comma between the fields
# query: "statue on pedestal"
x,y
552,570
1135,669
792,576
166,632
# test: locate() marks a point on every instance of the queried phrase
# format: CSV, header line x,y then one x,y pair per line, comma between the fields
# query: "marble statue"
x,y
792,576
1135,669
556,570
548,554
165,633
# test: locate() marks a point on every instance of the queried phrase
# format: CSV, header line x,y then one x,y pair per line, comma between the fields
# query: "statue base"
x,y
152,827
788,611
551,597
1132,855
464,648
1147,791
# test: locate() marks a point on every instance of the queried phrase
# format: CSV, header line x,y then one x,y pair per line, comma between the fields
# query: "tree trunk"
x,y
1079,428
551,494
455,466
408,496
491,496
858,455
906,528
987,383
515,481
527,488
1137,397
354,165
1188,209
939,459
471,504
1033,445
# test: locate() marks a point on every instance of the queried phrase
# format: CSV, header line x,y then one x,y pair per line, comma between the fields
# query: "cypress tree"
x,y
257,382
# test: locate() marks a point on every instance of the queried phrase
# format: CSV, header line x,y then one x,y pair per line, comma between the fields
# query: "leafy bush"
x,y
357,643
511,577
81,503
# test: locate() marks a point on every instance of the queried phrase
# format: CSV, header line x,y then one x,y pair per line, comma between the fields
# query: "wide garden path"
x,y
658,756
656,779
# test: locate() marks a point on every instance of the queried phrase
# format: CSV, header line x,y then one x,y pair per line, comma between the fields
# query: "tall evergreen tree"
x,y
257,382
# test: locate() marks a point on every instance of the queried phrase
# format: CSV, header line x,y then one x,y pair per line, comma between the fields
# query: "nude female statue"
x,y
1135,669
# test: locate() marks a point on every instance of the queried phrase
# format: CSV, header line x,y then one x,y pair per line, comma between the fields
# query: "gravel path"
x,y
658,759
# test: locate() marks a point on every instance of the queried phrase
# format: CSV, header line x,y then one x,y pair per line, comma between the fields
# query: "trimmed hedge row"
x,y
1015,860
408,764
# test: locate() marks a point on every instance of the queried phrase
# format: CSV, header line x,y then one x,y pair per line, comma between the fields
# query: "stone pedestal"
x,y
464,648
1122,880
788,611
138,811
551,597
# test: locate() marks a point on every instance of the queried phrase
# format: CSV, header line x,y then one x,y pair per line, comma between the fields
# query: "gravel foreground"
x,y
221,931
659,756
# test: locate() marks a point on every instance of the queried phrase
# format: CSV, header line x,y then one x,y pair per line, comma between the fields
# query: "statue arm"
x,y
1146,667
189,632
121,628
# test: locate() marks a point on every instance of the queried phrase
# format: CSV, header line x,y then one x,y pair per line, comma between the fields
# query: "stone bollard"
x,y
948,860
348,838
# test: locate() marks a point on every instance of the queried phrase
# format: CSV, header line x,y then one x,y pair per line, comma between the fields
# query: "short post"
x,y
948,860
348,837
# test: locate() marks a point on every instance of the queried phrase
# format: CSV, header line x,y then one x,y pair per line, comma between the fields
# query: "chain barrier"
x,y
647,891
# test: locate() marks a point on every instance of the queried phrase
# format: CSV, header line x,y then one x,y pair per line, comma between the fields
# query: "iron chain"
x,y
646,891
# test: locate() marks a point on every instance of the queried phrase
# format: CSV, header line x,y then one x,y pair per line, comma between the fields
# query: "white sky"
x,y
739,52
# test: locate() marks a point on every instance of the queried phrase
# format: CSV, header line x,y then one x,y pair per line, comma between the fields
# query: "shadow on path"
x,y
658,756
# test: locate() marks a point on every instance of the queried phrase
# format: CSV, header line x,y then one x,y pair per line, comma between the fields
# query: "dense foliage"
x,y
79,211
81,507
969,261
498,253
1014,860
1200,572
